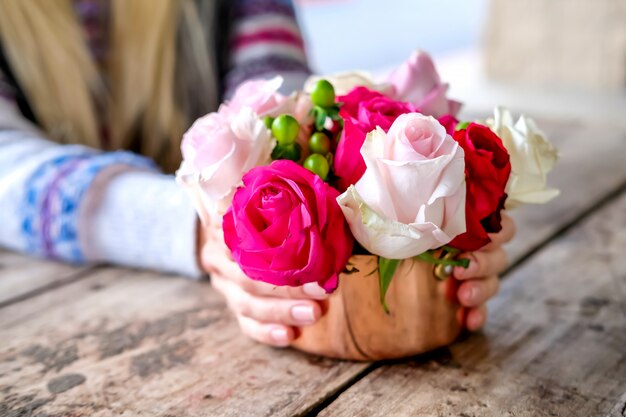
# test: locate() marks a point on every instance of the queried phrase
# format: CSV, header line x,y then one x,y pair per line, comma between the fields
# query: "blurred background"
x,y
547,58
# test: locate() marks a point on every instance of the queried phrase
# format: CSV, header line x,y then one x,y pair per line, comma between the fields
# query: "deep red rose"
x,y
487,170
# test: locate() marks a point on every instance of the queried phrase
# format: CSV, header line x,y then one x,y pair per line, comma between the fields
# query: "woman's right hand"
x,y
266,313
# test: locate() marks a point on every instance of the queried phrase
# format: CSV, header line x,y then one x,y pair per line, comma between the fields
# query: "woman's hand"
x,y
266,313
272,314
480,281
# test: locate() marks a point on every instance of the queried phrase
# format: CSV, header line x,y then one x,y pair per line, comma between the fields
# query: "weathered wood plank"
x,y
128,342
555,344
21,277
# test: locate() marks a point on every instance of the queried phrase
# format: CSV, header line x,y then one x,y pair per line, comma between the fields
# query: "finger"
x,y
222,286
232,271
270,334
503,236
476,318
451,289
309,290
214,245
216,239
268,309
215,256
508,231
281,311
461,315
228,269
477,291
482,264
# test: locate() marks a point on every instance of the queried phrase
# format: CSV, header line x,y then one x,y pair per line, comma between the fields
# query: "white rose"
x,y
532,157
344,82
411,197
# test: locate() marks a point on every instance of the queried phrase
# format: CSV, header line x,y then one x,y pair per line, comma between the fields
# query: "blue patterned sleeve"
x,y
52,199
80,205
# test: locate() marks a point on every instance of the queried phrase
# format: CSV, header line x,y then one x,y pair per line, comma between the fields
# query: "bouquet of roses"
x,y
295,180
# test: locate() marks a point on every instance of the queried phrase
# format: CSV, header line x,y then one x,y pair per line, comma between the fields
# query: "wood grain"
x,y
127,343
555,344
22,277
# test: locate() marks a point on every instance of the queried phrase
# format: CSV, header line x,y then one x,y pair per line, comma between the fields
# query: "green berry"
x,y
285,129
268,121
323,94
317,164
319,143
291,152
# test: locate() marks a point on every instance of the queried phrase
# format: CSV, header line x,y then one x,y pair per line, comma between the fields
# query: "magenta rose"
x,y
284,227
449,122
362,111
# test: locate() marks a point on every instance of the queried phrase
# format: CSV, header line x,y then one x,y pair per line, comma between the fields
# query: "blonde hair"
x,y
43,42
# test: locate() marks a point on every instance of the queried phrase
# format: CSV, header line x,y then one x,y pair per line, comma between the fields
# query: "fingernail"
x,y
279,336
474,322
303,314
471,295
312,289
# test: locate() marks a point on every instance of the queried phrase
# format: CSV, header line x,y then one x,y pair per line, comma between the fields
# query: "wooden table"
x,y
107,341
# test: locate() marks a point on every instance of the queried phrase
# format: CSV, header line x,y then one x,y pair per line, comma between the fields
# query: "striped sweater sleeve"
x,y
76,204
265,41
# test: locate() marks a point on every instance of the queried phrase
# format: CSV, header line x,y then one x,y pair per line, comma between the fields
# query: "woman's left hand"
x,y
480,281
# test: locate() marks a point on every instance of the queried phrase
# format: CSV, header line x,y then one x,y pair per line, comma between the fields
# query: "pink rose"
x,y
261,96
418,82
362,111
285,227
217,150
412,195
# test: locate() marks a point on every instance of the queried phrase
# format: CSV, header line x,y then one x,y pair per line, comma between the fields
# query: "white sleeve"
x,y
76,204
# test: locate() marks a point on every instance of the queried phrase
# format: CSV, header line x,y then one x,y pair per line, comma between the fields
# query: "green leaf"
x,y
333,112
452,251
465,263
320,117
386,269
430,258
291,152
462,125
